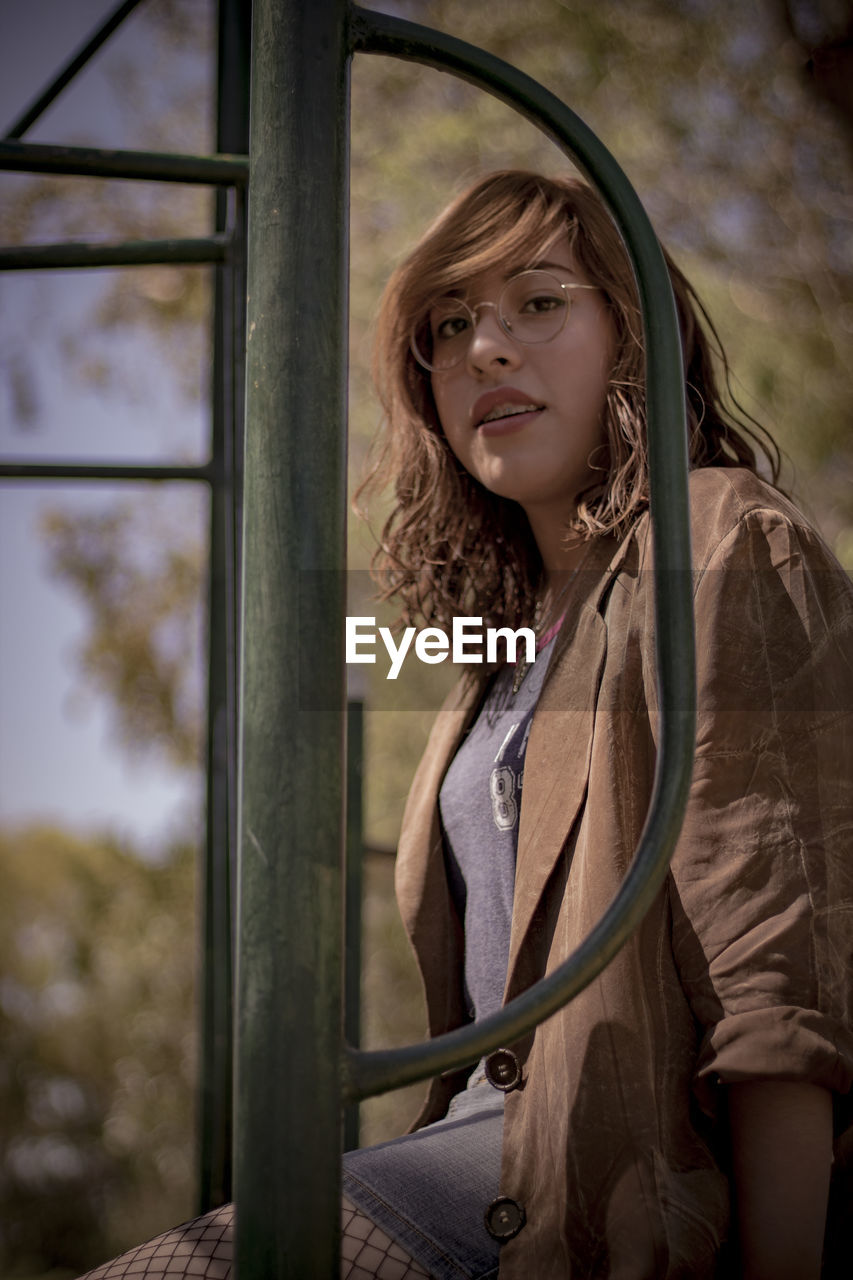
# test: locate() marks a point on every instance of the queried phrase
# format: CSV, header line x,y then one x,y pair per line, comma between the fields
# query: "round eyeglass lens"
x,y
442,341
533,307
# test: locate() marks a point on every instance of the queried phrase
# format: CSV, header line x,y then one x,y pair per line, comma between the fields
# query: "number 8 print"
x,y
504,804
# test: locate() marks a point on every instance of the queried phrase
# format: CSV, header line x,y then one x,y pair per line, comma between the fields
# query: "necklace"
x,y
522,664
547,610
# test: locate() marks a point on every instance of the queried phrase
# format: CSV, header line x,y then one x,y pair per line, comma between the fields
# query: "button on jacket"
x,y
743,967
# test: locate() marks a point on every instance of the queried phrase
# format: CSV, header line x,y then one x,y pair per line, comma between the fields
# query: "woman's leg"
x,y
366,1251
204,1248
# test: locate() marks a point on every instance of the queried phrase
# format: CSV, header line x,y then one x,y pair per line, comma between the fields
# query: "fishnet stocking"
x,y
204,1248
368,1254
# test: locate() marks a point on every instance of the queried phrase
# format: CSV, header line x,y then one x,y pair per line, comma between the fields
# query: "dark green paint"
x,y
133,253
104,471
290,917
148,166
215,1108
353,894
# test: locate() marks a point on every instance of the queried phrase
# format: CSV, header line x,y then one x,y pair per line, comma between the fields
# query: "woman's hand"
x,y
782,1155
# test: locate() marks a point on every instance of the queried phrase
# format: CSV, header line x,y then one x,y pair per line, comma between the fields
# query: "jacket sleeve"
x,y
762,877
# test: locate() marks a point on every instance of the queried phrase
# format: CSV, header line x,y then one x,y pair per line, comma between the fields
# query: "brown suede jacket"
x,y
614,1142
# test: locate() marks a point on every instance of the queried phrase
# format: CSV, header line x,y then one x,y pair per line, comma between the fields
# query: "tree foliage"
x,y
142,597
97,953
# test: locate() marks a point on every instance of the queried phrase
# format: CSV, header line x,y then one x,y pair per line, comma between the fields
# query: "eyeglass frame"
x,y
472,310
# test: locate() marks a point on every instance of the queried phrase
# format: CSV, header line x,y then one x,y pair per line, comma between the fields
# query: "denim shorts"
x,y
429,1190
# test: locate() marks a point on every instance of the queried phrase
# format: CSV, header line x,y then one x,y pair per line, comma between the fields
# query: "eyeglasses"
x,y
533,307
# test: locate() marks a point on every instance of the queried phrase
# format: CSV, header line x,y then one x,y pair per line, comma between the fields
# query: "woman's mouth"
x,y
508,411
503,409
505,418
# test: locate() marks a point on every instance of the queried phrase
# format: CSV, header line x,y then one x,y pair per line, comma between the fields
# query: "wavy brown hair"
x,y
451,547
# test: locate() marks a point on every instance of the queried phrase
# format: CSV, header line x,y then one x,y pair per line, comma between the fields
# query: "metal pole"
x,y
133,253
353,893
147,166
59,470
215,1112
288,1112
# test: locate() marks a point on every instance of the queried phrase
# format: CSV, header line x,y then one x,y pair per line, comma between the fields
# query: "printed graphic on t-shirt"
x,y
507,776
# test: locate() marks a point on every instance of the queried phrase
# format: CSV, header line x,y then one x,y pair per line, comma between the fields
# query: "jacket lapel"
x,y
556,765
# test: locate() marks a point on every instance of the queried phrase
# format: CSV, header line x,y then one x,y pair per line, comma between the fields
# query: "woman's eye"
x,y
450,327
543,302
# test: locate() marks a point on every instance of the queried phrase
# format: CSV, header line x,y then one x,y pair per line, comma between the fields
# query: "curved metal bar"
x,y
367,1073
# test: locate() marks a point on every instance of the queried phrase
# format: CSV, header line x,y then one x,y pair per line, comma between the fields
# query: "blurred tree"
x,y
97,952
142,596
823,30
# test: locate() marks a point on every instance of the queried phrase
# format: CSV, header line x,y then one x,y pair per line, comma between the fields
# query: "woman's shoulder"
x,y
743,525
727,494
733,505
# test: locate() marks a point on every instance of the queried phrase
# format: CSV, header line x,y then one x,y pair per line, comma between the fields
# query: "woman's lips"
x,y
503,409
506,425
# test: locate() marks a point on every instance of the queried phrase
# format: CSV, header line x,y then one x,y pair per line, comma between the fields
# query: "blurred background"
x,y
734,122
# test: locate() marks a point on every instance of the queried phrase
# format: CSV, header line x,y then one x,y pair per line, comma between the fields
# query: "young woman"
x,y
677,1118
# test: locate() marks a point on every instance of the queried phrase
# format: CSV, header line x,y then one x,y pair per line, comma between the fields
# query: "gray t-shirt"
x,y
479,803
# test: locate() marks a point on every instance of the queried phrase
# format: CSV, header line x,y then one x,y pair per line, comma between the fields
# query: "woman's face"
x,y
541,457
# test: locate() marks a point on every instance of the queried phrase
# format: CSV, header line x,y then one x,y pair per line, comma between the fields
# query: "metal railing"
x,y
224,249
294,1068
291,1063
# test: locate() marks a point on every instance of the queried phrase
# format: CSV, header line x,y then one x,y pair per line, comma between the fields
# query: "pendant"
x,y
520,672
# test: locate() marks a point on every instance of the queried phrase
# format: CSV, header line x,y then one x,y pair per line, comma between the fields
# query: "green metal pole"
x,y
353,894
133,253
133,473
215,1112
291,822
147,166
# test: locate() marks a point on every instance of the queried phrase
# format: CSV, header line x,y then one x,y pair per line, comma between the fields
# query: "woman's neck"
x,y
561,555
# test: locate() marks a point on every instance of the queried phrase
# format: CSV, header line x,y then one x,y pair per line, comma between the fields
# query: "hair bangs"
x,y
451,547
511,232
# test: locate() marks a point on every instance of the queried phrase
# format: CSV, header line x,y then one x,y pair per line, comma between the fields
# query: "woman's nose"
x,y
490,342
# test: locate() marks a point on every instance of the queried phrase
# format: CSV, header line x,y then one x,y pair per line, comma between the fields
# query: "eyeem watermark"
x,y
469,642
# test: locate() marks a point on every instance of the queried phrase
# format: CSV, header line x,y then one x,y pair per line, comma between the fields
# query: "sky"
x,y
58,759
